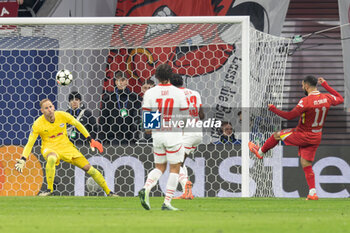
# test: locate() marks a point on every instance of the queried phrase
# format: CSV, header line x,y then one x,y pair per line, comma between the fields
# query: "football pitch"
x,y
218,215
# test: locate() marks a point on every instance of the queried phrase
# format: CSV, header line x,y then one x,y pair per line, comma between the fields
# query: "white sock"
x,y
312,192
183,177
171,187
260,152
152,179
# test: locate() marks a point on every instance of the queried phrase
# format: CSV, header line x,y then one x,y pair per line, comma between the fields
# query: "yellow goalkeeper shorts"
x,y
69,154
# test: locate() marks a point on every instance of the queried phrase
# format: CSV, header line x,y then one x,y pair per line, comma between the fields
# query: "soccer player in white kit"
x,y
192,137
167,141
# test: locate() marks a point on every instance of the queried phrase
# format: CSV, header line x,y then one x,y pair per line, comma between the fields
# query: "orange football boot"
x,y
313,197
183,196
254,149
188,190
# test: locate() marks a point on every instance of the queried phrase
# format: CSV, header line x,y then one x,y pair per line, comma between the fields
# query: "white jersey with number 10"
x,y
170,102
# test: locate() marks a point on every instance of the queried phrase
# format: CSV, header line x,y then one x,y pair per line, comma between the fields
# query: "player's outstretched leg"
x,y
144,198
270,143
100,180
151,181
50,175
255,149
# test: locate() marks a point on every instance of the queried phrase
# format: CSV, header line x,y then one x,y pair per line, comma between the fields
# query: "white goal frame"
x,y
245,24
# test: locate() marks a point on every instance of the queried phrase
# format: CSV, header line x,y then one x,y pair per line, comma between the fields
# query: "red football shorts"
x,y
290,137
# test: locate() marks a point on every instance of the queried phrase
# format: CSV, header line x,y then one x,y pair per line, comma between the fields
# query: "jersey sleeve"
x,y
301,106
336,98
72,121
296,111
34,133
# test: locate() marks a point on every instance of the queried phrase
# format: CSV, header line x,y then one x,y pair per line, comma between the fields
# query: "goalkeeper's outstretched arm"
x,y
27,149
93,144
72,121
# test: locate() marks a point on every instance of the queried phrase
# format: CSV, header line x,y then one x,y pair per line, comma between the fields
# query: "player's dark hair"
x,y
311,80
74,95
176,80
163,72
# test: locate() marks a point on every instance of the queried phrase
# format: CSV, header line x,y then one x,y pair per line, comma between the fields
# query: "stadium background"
x,y
302,17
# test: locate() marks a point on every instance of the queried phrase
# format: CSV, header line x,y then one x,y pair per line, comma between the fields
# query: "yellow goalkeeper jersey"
x,y
53,135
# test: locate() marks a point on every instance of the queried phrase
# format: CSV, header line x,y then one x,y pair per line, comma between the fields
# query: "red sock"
x,y
310,176
270,143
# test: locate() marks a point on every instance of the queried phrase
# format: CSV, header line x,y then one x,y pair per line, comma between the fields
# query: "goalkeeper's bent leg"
x,y
99,179
50,171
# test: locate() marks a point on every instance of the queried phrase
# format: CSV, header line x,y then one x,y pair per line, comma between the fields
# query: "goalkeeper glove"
x,y
95,144
20,164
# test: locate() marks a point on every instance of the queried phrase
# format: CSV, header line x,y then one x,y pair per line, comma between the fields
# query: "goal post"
x,y
234,67
245,106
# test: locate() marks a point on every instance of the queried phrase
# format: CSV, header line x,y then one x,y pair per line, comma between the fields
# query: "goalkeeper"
x,y
52,128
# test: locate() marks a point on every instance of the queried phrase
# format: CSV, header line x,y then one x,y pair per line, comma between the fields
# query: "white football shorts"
x,y
191,141
167,147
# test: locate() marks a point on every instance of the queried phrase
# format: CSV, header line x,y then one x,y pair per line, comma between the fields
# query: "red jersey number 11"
x,y
317,114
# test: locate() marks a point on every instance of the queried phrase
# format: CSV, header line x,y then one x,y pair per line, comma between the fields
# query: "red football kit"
x,y
313,110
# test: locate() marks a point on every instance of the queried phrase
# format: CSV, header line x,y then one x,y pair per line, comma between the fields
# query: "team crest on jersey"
x,y
301,103
62,125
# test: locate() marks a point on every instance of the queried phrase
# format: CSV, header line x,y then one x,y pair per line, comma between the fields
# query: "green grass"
x,y
103,214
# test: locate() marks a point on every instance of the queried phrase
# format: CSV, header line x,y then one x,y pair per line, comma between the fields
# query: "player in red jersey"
x,y
312,110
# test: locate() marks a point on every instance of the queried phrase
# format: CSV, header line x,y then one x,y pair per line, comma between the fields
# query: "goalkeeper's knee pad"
x,y
51,161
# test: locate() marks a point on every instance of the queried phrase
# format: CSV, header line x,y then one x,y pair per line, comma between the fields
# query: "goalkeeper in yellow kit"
x,y
56,146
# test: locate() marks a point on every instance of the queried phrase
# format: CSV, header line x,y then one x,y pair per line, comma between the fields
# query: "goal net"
x,y
236,69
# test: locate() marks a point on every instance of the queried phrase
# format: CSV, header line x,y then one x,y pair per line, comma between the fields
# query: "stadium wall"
x,y
213,170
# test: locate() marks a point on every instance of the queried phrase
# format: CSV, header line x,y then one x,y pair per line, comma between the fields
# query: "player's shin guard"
x,y
152,179
99,179
171,187
183,177
310,177
50,171
270,143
